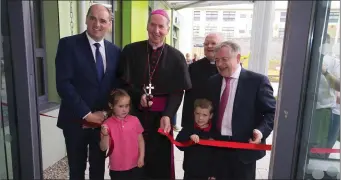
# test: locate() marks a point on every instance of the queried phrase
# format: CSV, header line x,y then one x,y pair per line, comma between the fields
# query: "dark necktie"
x,y
99,63
223,102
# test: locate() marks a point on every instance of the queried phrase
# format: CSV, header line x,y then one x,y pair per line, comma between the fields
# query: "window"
x,y
228,32
229,15
196,16
334,17
211,15
281,32
242,15
283,16
196,31
40,63
210,29
38,25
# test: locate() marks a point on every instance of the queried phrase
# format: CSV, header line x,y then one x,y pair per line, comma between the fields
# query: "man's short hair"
x,y
111,16
219,35
234,47
204,104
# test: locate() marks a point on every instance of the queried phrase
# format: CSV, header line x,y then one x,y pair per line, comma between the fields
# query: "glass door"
x,y
306,142
319,155
6,138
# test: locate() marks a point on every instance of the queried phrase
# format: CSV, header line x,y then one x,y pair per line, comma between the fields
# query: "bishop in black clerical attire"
x,y
154,66
199,71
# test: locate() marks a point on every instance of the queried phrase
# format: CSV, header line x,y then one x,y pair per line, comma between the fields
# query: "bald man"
x,y
85,75
199,72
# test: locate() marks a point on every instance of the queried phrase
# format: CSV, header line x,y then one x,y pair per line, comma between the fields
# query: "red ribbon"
x,y
215,143
324,150
42,114
238,145
225,144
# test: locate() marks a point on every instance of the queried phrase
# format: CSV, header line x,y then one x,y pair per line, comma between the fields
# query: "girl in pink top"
x,y
122,135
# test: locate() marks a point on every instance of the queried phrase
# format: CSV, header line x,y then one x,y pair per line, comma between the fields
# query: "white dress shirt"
x,y
226,126
101,49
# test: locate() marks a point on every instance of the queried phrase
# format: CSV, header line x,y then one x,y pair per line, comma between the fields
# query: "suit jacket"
x,y
253,108
76,77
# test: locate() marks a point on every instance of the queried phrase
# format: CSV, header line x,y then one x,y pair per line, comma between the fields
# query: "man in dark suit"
x,y
85,75
244,112
199,72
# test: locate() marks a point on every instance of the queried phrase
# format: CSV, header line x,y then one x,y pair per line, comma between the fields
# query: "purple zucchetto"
x,y
160,12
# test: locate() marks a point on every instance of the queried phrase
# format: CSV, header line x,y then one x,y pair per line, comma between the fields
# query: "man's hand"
x,y
143,101
195,138
165,124
257,137
96,117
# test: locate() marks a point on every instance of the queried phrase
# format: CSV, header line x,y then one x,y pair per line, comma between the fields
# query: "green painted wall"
x,y
64,17
118,26
126,25
139,20
135,19
51,26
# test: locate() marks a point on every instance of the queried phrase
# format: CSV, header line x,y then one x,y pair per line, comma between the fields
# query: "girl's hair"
x,y
204,104
115,96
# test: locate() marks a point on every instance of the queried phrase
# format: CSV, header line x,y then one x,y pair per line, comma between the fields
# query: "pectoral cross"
x,y
150,87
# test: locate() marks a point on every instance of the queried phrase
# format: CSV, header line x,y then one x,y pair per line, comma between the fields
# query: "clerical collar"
x,y
211,62
155,47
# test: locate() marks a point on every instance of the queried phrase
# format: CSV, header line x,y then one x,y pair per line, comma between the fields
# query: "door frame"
x,y
24,114
295,68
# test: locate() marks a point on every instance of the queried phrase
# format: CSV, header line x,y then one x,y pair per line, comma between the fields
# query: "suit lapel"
x,y
238,99
109,56
85,49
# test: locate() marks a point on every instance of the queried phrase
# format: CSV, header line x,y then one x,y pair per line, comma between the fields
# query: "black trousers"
x,y
230,167
159,160
77,141
132,174
188,176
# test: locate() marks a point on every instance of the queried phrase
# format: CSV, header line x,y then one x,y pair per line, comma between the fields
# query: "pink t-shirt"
x,y
124,134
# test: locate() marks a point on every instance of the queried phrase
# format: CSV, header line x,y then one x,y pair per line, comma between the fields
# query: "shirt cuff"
x,y
260,133
86,115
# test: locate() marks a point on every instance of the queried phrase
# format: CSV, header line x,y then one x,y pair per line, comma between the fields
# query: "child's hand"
x,y
104,130
140,162
195,138
211,178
